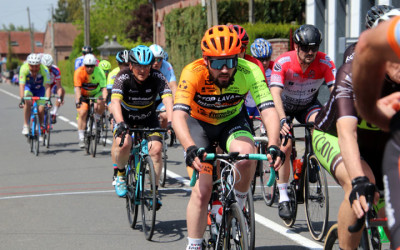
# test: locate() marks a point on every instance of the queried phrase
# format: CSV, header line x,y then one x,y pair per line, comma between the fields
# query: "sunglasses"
x,y
264,59
159,59
307,48
230,63
143,67
90,66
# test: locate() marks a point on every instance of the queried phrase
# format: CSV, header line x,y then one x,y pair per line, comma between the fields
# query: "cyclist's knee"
x,y
202,195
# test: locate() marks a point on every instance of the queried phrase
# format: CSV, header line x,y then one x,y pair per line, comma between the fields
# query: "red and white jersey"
x,y
300,88
55,74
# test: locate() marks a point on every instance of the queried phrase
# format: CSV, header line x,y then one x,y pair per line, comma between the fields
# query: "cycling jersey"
x,y
90,84
55,75
42,78
249,101
138,99
111,77
300,89
203,100
168,72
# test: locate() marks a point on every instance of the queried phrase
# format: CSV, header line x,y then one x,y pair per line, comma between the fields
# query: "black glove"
x,y
192,152
362,187
22,103
169,126
274,151
283,121
78,104
119,129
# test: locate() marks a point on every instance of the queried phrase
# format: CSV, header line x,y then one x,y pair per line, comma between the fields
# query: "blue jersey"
x,y
168,72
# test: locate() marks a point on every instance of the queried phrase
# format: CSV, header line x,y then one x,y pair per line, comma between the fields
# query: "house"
x,y
20,43
64,36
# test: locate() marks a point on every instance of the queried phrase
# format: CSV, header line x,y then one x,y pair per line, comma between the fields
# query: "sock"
x,y
283,195
115,169
194,244
121,172
54,111
81,134
240,198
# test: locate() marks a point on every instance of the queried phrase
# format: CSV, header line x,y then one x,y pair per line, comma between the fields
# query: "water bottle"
x,y
218,216
297,165
216,205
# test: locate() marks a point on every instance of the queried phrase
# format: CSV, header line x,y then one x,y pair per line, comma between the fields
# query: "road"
x,y
63,199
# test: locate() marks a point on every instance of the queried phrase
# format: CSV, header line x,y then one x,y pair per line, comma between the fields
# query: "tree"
x,y
68,11
141,25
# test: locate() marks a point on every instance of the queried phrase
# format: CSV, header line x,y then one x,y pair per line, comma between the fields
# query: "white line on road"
x,y
260,219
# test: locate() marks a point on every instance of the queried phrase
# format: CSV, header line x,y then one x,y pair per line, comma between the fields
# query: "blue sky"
x,y
15,11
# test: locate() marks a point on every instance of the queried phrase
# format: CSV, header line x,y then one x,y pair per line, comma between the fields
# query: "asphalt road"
x,y
63,199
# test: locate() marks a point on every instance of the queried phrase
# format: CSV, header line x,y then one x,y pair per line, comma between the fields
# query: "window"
x,y
38,44
14,43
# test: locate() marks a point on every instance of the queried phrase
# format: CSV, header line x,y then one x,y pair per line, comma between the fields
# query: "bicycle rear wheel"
x,y
35,138
316,198
172,138
250,220
95,138
104,128
131,207
88,133
269,193
163,175
331,240
235,235
48,128
148,197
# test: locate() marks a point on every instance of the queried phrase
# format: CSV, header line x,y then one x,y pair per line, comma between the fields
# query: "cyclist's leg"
x,y
28,105
99,106
82,116
163,115
326,148
196,212
40,93
122,156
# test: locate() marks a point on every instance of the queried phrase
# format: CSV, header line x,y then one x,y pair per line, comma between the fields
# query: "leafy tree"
x,y
141,24
12,27
68,11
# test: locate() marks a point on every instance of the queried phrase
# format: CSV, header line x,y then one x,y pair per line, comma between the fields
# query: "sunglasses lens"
x,y
219,63
307,48
158,59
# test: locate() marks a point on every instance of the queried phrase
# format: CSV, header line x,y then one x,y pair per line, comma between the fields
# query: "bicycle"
x,y
140,181
93,128
47,125
373,234
35,131
232,229
163,176
310,187
104,121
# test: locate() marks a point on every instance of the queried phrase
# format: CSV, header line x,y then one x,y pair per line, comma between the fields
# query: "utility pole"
x,y
52,36
209,14
30,31
86,15
251,11
214,12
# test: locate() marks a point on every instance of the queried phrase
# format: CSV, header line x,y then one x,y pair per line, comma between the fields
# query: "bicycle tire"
x,y
253,183
370,240
293,205
95,138
131,206
316,198
163,175
268,193
250,219
148,197
172,138
36,135
48,128
89,131
331,240
235,235
104,128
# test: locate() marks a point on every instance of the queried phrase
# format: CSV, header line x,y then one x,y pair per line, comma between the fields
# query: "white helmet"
x,y
387,16
33,59
89,59
157,50
47,60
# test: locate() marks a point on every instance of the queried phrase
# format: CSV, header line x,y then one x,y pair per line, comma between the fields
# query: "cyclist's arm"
x,y
116,110
276,94
168,102
47,90
172,85
372,52
77,94
22,79
21,89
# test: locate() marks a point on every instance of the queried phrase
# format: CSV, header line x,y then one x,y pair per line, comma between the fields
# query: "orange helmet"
x,y
220,40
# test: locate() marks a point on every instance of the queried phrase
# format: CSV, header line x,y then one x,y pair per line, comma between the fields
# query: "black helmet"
x,y
374,13
87,50
307,34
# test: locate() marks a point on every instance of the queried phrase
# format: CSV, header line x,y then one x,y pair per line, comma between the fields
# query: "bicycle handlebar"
x,y
135,130
233,156
357,226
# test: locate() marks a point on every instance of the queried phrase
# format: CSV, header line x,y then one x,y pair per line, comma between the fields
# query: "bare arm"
x,y
77,94
168,102
116,110
172,85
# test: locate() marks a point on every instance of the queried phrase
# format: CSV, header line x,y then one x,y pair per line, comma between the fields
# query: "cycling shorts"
x,y
303,115
85,103
40,92
53,88
391,179
252,111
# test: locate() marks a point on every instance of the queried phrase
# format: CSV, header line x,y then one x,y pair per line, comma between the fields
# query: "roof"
x,y
22,42
64,34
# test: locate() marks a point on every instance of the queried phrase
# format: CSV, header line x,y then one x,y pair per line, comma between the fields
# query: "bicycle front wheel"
x,y
316,198
163,175
148,197
331,240
104,129
36,135
88,133
95,138
131,206
268,193
250,220
236,233
48,128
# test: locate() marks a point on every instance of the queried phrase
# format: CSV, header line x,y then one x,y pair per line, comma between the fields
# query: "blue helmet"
x,y
122,56
141,55
261,48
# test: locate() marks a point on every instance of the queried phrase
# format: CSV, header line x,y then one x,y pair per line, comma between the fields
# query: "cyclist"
x,y
79,60
261,49
105,66
353,160
208,109
56,88
166,69
123,62
133,104
376,48
89,81
34,80
295,81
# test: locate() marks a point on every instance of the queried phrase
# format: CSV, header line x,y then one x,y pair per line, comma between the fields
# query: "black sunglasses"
x,y
159,59
230,63
90,66
264,59
306,48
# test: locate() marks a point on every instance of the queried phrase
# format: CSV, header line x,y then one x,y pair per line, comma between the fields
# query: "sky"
x,y
15,12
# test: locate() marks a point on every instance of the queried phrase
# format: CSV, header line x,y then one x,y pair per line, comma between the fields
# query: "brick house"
x,y
20,43
64,36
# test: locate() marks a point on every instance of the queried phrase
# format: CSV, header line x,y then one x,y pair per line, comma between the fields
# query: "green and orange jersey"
x,y
90,84
203,100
